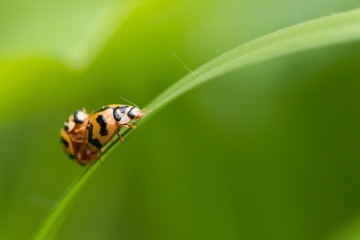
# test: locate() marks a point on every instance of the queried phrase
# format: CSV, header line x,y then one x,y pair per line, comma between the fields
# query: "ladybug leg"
x,y
120,137
80,129
79,155
127,126
101,160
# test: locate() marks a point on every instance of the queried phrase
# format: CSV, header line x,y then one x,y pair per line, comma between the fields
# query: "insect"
x,y
105,124
73,138
84,135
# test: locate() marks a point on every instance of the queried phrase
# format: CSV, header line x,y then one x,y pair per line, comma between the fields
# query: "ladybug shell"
x,y
74,136
66,143
103,128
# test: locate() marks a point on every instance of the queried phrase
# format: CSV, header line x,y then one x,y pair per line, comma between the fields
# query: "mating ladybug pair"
x,y
84,135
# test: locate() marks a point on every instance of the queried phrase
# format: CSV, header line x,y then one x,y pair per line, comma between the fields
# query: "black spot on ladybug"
x,y
131,114
102,122
94,142
66,128
123,109
66,143
117,115
78,118
90,132
72,156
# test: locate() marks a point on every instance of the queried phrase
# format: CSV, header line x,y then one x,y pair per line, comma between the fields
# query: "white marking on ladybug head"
x,y
124,119
70,125
135,113
118,112
81,116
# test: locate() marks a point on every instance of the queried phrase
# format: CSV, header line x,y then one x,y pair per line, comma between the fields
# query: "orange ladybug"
x,y
105,123
73,138
84,135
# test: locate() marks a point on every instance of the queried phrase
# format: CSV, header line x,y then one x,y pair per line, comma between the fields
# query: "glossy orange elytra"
x,y
84,135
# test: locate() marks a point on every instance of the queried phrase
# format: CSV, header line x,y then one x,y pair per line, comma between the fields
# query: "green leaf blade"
x,y
322,32
326,31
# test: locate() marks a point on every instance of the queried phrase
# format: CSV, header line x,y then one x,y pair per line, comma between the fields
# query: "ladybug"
x,y
105,123
73,138
67,143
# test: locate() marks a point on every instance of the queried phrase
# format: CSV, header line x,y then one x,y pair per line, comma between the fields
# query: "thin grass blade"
x,y
335,29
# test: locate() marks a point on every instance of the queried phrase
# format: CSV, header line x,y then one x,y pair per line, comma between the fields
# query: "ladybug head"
x,y
124,114
135,113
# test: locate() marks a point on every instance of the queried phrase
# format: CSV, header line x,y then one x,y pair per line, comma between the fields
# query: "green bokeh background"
x,y
270,151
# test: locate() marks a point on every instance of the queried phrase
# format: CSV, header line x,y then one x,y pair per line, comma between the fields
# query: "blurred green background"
x,y
270,151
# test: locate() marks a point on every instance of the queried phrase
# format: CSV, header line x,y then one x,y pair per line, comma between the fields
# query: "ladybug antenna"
x,y
129,101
